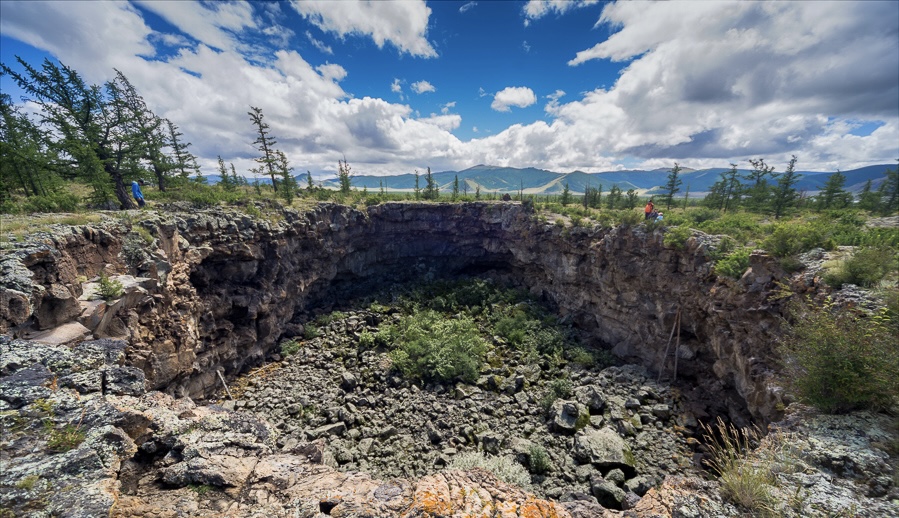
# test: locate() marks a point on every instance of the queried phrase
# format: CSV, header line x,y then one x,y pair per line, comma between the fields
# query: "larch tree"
x,y
150,129
833,195
288,186
28,163
95,126
889,192
183,162
757,190
784,196
672,186
265,144
344,175
432,191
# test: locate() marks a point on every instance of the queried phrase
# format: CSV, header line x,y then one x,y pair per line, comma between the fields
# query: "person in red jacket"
x,y
649,209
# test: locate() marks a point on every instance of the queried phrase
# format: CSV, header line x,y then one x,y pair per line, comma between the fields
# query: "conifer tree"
x,y
432,191
28,163
869,199
733,189
833,195
630,200
614,197
455,187
288,185
672,186
95,126
417,187
344,176
183,162
785,196
758,190
238,181
566,195
265,144
889,192
226,181
151,131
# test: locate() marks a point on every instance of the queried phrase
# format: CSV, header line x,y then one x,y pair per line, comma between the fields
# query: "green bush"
x,y
110,289
310,331
702,214
428,346
629,218
734,264
879,238
538,459
290,347
515,325
866,268
839,361
559,388
676,237
795,238
504,468
63,201
741,226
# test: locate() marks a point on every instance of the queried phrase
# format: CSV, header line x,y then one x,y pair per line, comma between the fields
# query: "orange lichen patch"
x,y
536,508
432,497
254,376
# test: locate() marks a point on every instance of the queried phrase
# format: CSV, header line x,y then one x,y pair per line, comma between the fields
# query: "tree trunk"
x,y
122,193
160,176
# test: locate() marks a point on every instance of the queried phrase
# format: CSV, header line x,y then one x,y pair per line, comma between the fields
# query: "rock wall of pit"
x,y
217,290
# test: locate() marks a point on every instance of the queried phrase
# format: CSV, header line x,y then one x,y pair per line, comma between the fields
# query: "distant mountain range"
x,y
540,181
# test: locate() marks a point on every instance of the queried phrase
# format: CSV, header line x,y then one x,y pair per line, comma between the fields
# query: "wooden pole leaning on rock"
x,y
225,384
676,347
674,326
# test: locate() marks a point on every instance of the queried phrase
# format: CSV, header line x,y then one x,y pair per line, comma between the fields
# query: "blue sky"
x,y
399,86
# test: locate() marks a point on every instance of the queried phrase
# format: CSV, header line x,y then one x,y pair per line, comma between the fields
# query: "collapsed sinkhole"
x,y
562,419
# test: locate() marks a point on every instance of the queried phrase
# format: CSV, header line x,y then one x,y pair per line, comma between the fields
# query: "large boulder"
x,y
606,450
568,416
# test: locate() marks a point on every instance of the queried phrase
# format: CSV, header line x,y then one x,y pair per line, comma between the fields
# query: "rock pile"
x,y
614,437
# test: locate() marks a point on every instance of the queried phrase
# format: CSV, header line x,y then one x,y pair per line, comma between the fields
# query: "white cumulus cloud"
x,y
519,96
421,87
536,9
402,24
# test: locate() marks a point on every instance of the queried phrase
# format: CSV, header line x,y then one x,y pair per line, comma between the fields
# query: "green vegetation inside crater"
x,y
447,331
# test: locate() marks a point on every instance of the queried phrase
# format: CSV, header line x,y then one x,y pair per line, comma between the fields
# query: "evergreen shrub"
x,y
841,361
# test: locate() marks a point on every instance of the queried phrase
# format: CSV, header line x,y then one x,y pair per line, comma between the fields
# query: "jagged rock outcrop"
x,y
229,286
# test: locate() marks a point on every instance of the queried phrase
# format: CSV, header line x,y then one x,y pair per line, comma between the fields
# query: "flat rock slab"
x,y
64,334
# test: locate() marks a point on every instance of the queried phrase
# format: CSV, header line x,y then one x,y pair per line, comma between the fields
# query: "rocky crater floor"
x,y
613,435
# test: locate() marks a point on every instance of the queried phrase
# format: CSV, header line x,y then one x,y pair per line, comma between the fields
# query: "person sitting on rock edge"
x,y
649,209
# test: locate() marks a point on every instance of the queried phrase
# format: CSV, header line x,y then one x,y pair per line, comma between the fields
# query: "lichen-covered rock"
x,y
605,449
568,416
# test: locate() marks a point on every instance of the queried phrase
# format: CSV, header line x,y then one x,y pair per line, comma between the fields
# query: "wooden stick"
x,y
676,347
668,347
225,384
